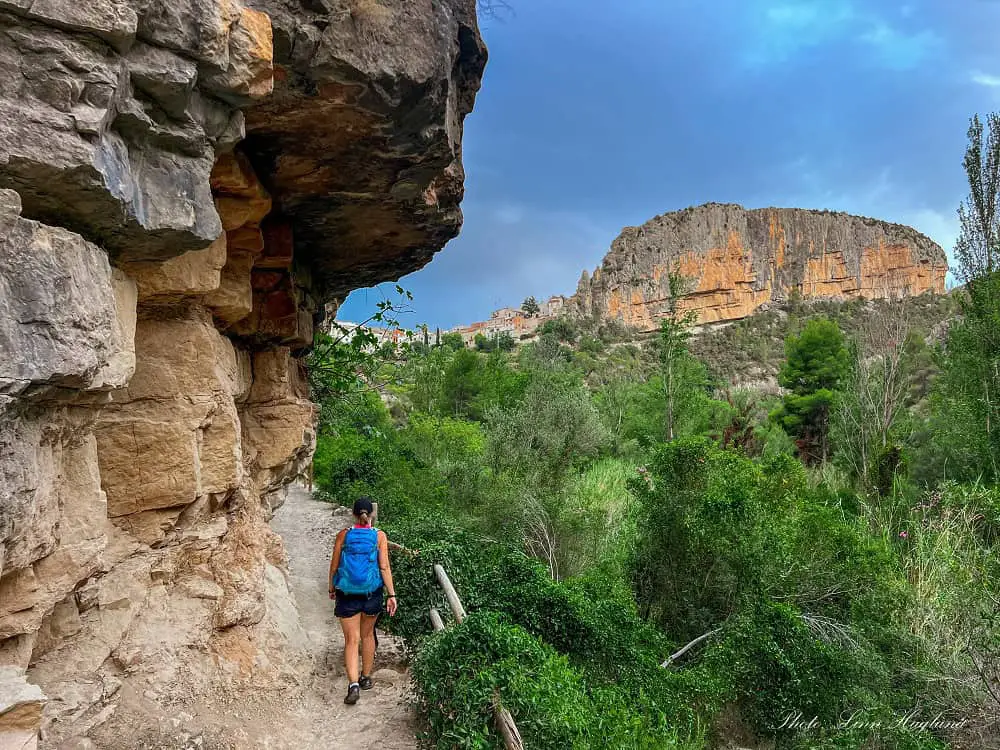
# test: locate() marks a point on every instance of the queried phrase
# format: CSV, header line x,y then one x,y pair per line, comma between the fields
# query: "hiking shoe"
x,y
365,683
352,695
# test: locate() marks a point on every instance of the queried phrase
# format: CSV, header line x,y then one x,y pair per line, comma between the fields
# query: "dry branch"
x,y
678,654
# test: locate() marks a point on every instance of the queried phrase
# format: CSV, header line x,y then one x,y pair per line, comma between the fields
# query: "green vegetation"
x,y
815,364
652,558
530,307
753,349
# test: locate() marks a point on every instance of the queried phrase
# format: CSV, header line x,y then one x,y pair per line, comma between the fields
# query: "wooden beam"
x,y
505,725
449,591
503,718
675,656
436,620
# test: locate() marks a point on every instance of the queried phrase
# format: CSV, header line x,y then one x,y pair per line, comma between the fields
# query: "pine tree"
x,y
816,362
675,330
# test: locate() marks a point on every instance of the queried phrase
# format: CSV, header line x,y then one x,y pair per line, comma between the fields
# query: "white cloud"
x,y
897,49
819,14
787,27
985,79
942,228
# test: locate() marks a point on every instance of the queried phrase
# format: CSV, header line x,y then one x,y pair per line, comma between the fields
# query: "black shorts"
x,y
349,605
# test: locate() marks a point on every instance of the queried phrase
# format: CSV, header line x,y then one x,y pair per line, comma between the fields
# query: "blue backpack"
x,y
358,572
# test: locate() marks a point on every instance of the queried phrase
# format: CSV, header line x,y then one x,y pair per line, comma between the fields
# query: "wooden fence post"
x,y
436,620
504,719
505,725
449,591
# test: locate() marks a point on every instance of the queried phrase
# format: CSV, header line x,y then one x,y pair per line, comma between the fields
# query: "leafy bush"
x,y
453,341
349,465
777,666
585,633
458,670
816,361
564,329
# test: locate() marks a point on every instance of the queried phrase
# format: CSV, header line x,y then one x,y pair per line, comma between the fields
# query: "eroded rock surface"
x,y
183,185
739,260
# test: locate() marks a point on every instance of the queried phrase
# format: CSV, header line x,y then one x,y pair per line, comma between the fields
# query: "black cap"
x,y
363,505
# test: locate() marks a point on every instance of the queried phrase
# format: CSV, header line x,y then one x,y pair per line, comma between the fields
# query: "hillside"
x,y
750,351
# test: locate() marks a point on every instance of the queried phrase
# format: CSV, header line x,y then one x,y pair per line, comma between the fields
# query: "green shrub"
x,y
458,670
777,666
348,465
590,620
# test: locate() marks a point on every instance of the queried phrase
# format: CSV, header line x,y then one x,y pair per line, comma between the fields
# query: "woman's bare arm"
x,y
383,563
335,558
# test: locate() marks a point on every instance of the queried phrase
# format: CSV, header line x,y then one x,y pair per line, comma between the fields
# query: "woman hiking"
x,y
359,577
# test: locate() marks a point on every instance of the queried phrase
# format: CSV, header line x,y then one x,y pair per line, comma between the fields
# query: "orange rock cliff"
x,y
737,260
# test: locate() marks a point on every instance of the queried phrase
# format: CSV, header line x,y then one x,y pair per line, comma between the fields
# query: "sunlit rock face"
x,y
737,260
183,185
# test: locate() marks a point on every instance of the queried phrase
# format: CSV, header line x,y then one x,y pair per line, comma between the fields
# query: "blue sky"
x,y
596,115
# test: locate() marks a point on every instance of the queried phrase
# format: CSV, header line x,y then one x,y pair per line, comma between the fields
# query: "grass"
x,y
372,19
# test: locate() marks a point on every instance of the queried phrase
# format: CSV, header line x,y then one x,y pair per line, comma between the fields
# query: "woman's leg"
x,y
367,643
352,636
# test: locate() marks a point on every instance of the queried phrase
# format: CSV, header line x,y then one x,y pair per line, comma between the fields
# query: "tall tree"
x,y
675,331
978,246
460,383
530,307
534,448
816,363
968,392
874,397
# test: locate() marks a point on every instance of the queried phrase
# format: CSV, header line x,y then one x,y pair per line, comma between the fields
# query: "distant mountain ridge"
x,y
739,260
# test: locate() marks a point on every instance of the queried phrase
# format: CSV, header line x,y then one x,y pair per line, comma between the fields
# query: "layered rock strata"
x,y
183,186
735,261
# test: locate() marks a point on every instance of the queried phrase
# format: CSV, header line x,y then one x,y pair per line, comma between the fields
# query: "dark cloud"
x,y
596,115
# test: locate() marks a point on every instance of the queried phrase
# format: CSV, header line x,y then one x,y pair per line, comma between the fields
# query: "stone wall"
x,y
182,186
738,260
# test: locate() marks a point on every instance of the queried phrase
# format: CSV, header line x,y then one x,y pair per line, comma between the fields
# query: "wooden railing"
x,y
504,721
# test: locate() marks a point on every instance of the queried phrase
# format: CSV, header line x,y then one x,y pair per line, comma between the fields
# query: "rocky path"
x,y
381,719
308,714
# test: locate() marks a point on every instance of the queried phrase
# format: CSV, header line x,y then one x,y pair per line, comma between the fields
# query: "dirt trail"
x,y
381,719
311,715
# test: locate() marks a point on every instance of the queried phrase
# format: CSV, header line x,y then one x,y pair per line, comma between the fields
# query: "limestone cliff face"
x,y
182,186
738,260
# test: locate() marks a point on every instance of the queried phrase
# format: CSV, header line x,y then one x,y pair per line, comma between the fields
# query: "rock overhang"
x,y
352,122
360,144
